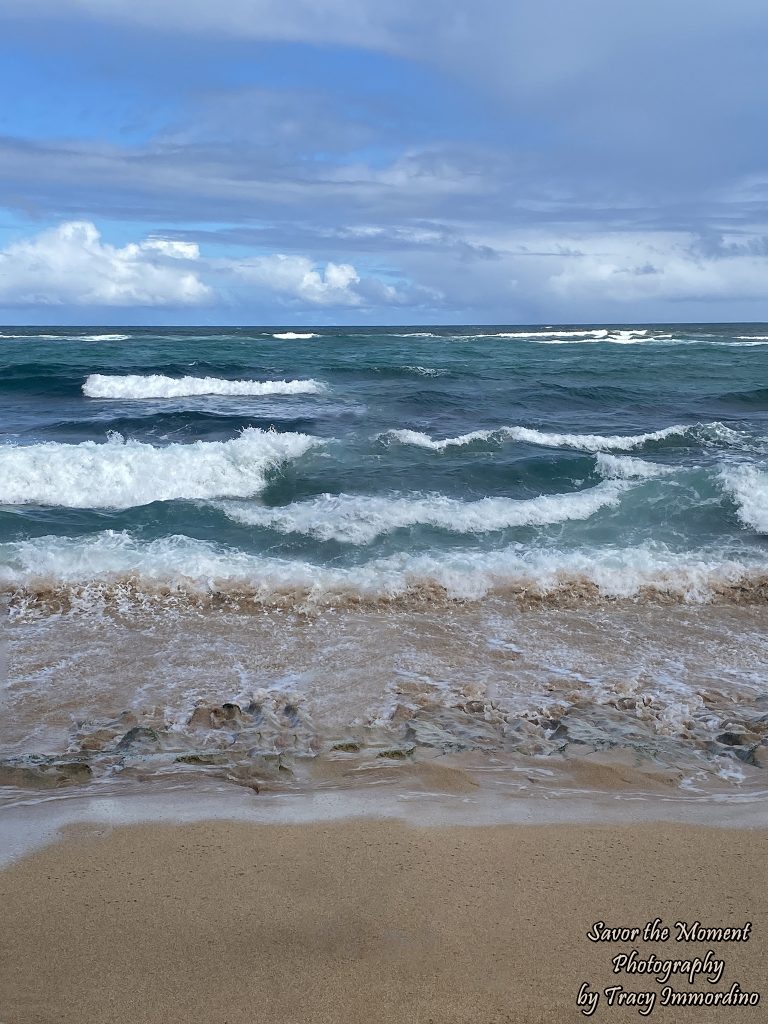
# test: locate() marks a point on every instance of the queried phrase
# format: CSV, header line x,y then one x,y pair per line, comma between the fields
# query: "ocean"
x,y
532,558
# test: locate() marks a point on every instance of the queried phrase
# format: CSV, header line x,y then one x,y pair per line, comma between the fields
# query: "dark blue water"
x,y
375,460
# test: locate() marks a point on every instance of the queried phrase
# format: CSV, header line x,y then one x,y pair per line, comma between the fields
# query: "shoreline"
x,y
367,918
34,822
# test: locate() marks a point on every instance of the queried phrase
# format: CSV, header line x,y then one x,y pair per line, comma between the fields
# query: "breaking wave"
x,y
581,442
601,333
71,337
123,474
624,467
294,336
748,486
360,519
138,386
114,568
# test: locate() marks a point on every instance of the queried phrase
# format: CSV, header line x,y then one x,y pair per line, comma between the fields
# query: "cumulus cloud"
x,y
299,281
298,277
70,265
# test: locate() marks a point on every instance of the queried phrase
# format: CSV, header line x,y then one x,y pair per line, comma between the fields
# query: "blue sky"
x,y
322,162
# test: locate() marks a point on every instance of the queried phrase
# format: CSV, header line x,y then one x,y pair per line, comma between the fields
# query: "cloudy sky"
x,y
361,161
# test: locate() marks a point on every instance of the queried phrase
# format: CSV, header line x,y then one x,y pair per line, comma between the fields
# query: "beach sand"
x,y
367,920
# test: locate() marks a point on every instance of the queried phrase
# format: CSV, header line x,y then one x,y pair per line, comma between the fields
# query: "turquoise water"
x,y
301,557
376,461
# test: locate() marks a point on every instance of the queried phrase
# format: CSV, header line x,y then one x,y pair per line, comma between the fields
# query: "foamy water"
x,y
138,386
122,473
291,557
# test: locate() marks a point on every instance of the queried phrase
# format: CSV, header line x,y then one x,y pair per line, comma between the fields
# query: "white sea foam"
x,y
293,336
104,337
601,333
138,386
360,519
115,565
748,486
582,442
71,337
752,337
121,474
624,467
628,337
425,371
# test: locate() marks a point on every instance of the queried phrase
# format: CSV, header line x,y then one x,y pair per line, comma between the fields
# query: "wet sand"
x,y
296,701
367,920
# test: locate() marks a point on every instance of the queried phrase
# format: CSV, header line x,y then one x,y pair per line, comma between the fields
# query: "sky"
x,y
320,162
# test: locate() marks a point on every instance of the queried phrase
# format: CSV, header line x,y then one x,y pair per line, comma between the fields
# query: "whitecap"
x,y
117,565
360,519
138,386
748,486
425,371
293,336
581,442
624,467
122,474
70,337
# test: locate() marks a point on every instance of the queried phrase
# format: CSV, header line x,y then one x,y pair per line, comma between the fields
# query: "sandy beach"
x,y
370,920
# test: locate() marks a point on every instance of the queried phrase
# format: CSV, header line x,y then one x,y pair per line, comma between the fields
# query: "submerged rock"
x,y
396,753
43,772
140,737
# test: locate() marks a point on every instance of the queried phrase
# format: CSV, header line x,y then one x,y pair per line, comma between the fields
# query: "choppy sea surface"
x,y
525,557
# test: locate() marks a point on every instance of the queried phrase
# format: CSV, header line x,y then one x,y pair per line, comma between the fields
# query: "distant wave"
x,y
135,386
754,396
293,336
748,486
614,338
122,474
550,333
58,573
582,442
552,336
71,337
360,519
424,371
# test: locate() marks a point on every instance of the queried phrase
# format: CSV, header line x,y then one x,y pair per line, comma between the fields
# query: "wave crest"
x,y
123,474
113,568
581,442
748,486
139,386
360,519
624,467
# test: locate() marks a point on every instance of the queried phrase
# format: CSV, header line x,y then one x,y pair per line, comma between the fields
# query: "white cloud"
x,y
300,278
660,267
70,265
430,274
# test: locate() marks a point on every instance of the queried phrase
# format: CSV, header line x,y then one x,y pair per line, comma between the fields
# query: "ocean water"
x,y
301,556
